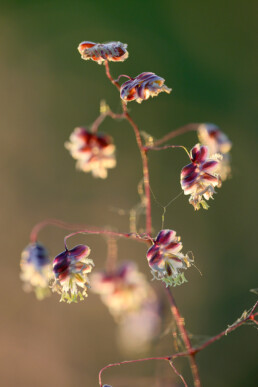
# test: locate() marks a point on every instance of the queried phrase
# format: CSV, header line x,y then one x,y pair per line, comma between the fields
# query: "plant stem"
x,y
167,358
181,326
177,132
143,151
250,316
110,77
102,116
192,350
53,222
155,148
141,238
145,170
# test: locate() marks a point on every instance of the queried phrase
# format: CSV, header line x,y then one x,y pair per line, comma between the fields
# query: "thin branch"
x,y
155,148
101,118
181,326
250,316
110,77
178,373
167,358
53,222
146,175
138,237
177,132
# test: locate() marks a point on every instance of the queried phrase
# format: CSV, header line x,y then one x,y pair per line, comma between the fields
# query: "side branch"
x,y
53,222
156,148
249,317
177,132
167,358
101,118
141,238
192,350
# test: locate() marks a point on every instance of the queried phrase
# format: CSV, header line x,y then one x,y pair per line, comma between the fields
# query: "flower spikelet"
x,y
101,52
94,152
218,143
166,260
71,268
198,178
36,270
123,290
142,87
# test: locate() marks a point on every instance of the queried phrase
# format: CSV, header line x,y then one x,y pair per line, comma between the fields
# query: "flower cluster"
x,y
198,178
71,268
165,259
101,52
142,87
123,290
35,269
218,143
94,152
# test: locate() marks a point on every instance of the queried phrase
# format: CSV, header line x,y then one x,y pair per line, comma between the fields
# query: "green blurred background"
x,y
206,52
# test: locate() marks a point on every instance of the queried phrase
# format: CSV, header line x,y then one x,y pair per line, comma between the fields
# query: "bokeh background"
x,y
206,53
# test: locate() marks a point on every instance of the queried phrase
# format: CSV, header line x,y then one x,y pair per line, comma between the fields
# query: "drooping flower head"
x,y
71,268
35,269
94,152
165,259
123,290
217,142
142,87
198,178
101,52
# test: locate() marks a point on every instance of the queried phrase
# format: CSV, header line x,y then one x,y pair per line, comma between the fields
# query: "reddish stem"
x,y
110,77
192,351
101,117
177,132
181,326
143,151
250,316
141,238
53,222
145,169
